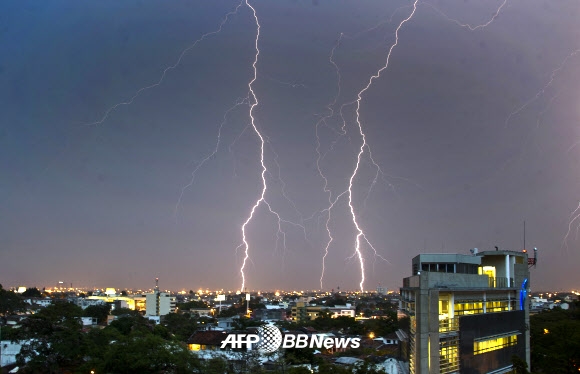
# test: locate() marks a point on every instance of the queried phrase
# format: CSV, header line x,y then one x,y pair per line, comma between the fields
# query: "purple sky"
x,y
475,131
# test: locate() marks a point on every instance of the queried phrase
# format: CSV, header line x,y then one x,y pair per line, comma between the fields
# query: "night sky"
x,y
475,131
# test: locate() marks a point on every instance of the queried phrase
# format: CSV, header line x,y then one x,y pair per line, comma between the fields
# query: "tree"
x,y
55,339
520,366
62,312
555,341
149,354
10,302
298,356
182,326
243,323
129,324
100,312
125,311
326,368
215,365
32,292
193,304
98,343
299,370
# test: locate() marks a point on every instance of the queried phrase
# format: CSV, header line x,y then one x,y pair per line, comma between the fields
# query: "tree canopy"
x,y
555,340
10,302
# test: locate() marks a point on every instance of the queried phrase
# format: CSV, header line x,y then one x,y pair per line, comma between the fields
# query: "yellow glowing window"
x,y
449,355
194,347
462,308
488,345
497,306
489,271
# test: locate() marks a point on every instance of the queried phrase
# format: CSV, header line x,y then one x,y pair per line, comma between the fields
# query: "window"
x,y
449,355
495,343
472,307
496,306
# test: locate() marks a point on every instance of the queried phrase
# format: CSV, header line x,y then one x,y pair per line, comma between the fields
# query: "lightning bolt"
x,y
361,234
281,234
290,84
209,155
466,25
320,157
574,216
544,88
253,105
167,69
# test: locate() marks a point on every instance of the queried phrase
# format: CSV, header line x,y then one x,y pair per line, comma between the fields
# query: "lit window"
x,y
493,344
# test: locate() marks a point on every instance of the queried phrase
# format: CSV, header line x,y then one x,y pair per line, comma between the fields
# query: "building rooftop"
x,y
210,337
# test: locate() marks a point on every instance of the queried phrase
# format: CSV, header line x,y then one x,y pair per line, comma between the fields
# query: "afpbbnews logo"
x,y
269,339
318,341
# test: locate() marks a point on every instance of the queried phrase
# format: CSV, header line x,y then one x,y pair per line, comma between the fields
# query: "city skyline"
x,y
132,136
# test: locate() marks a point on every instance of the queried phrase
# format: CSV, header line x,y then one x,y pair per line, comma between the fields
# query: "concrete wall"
x,y
451,280
498,261
451,258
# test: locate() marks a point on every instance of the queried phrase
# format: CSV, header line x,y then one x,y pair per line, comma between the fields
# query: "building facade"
x,y
303,311
159,304
468,314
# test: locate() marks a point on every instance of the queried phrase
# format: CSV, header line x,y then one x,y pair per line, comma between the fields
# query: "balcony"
x,y
448,325
501,282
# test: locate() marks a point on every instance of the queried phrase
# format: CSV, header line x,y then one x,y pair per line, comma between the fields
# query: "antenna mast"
x,y
524,235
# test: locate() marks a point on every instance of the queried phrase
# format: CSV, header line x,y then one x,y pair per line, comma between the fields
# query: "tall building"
x,y
159,303
468,314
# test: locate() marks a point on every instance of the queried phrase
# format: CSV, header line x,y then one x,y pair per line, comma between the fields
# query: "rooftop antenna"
x,y
156,284
524,235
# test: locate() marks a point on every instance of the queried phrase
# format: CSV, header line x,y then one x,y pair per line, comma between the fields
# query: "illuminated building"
x,y
159,303
302,311
468,314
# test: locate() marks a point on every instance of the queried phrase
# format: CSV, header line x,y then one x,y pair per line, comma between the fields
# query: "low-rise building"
x,y
304,312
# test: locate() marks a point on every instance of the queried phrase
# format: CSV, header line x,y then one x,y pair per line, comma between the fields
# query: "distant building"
x,y
269,314
159,303
133,302
85,303
381,290
89,321
38,301
9,351
206,340
227,323
304,312
201,312
468,314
